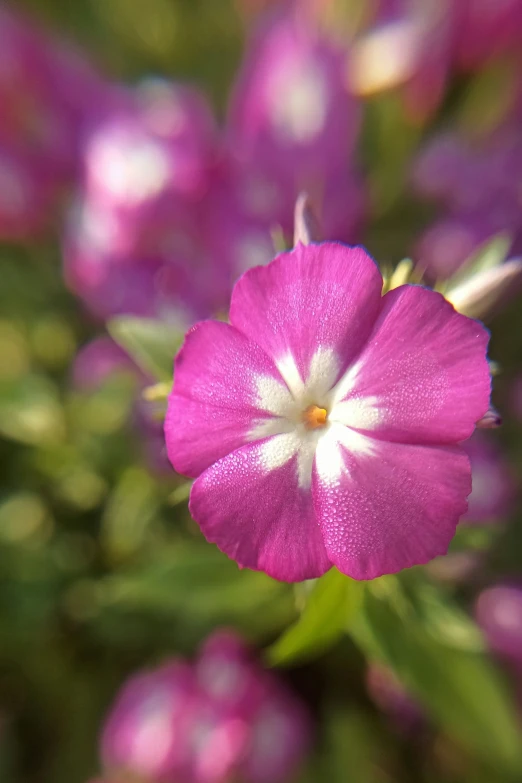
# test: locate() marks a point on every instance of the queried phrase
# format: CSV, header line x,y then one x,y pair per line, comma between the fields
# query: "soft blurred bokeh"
x,y
149,154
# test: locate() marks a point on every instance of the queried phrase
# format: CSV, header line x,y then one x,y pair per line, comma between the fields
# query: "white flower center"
x,y
314,418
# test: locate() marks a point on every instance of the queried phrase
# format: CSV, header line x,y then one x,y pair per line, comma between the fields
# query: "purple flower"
x,y
499,613
323,422
493,488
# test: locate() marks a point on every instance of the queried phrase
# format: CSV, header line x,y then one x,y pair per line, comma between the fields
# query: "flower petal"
x,y
423,376
226,392
250,505
320,296
384,506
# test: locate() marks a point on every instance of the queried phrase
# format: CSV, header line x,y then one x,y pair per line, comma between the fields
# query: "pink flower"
x,y
145,731
492,495
134,240
280,736
293,125
323,422
222,719
216,741
226,674
290,106
158,147
114,272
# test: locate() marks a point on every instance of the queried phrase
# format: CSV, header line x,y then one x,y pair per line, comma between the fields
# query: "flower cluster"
x,y
219,719
170,210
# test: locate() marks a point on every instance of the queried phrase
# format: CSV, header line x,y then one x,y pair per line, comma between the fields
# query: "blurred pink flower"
x,y
478,188
226,674
440,167
487,29
134,241
161,147
145,731
190,724
292,126
447,244
114,274
27,194
498,611
493,487
407,47
393,699
280,737
290,108
48,93
324,416
98,360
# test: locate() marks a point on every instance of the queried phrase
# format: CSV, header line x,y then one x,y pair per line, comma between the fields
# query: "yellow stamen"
x,y
315,417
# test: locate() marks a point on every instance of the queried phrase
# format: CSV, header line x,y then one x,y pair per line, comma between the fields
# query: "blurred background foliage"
x,y
102,571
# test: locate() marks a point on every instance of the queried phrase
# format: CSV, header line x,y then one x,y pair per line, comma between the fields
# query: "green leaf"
x,y
458,685
152,344
190,589
334,597
488,98
129,513
351,744
30,411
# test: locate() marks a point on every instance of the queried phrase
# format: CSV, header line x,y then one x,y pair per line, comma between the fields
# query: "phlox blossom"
x,y
323,422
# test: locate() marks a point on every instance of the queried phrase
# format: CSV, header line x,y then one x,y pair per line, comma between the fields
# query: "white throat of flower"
x,y
314,418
